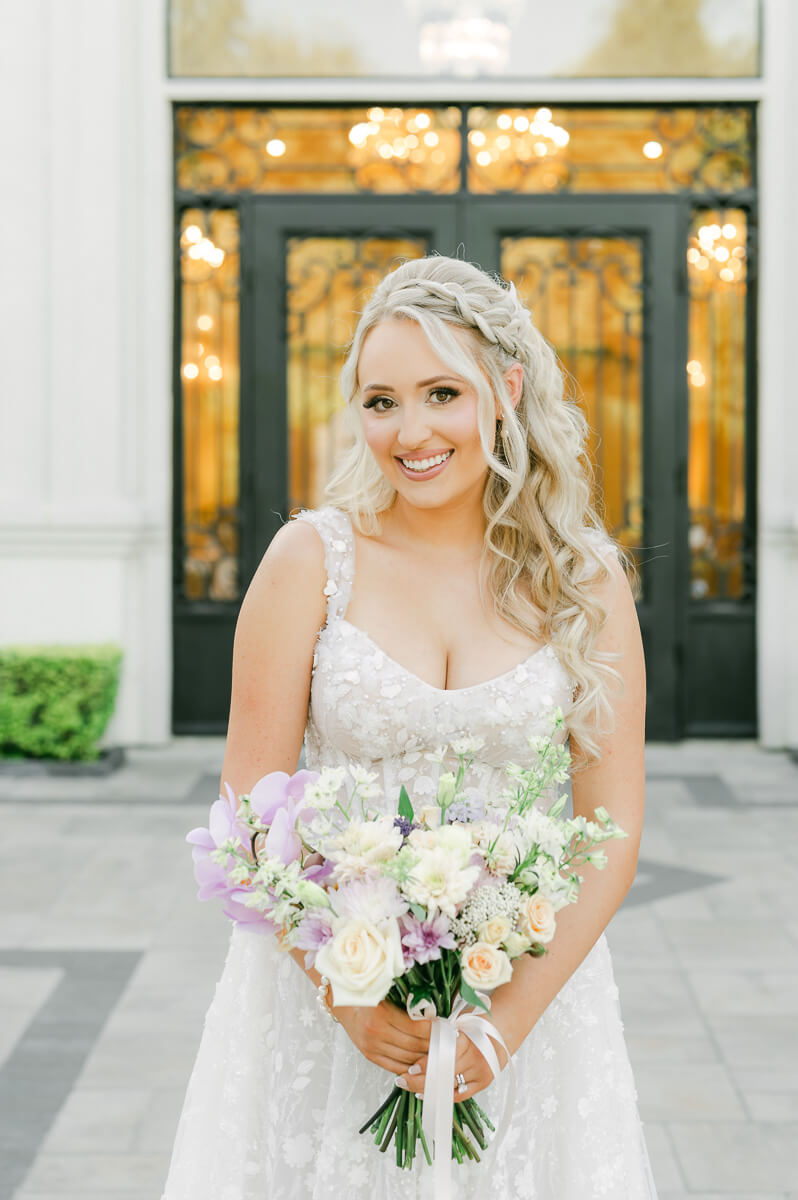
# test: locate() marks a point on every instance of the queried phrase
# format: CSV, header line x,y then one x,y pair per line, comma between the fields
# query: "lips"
x,y
424,465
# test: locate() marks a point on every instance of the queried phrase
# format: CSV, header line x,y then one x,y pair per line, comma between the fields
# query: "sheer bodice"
x,y
277,1092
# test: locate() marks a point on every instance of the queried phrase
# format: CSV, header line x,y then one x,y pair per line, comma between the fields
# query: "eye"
x,y
377,403
444,394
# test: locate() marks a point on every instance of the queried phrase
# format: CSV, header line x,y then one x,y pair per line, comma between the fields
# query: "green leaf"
x,y
405,805
470,995
418,911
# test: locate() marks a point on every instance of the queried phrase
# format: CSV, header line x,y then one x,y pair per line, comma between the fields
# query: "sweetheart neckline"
x,y
432,687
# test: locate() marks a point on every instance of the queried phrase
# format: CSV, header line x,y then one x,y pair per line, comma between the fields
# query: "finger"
x,y
415,1076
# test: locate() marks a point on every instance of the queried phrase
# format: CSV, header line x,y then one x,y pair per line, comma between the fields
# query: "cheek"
x,y
378,434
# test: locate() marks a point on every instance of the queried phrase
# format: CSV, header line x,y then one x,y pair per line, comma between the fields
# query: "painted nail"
x,y
414,1070
400,1082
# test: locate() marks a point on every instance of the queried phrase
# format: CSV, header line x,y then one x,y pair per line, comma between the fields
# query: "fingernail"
x,y
414,1070
400,1083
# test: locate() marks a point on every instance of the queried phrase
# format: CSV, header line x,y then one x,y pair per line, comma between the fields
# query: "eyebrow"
x,y
386,387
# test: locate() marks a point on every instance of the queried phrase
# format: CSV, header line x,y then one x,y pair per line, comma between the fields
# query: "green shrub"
x,y
55,701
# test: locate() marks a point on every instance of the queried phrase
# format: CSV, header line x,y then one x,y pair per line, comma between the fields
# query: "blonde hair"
x,y
542,527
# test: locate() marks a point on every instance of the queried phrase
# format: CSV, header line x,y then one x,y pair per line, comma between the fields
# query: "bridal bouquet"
x,y
427,906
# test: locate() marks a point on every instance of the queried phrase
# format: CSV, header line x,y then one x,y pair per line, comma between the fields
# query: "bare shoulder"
x,y
292,569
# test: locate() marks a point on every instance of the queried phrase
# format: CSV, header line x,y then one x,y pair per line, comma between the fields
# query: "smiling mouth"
x,y
421,465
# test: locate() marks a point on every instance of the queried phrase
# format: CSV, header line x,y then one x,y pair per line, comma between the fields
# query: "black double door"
x,y
605,279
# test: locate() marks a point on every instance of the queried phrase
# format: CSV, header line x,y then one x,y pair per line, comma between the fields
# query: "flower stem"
x,y
376,1116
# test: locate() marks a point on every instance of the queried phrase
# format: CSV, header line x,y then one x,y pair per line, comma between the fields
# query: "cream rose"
x,y
361,961
536,919
494,930
485,967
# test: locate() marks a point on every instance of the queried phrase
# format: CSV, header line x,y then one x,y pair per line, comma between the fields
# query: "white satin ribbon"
x,y
438,1110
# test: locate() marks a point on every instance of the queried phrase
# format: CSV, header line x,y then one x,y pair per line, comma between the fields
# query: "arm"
x,y
275,637
617,781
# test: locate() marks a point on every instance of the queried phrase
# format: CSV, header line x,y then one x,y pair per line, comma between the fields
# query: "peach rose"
x,y
536,919
485,967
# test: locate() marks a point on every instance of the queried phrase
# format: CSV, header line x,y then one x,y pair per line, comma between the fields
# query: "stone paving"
x,y
108,964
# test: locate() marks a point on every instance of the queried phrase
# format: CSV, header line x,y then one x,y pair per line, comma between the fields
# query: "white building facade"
x,y
88,293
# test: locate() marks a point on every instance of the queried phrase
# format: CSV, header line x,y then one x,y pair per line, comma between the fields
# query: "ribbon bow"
x,y
438,1110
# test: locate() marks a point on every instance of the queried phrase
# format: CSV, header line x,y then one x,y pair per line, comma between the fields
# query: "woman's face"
x,y
419,418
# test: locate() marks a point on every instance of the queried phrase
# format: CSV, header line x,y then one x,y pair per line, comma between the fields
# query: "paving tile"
x,y
736,1155
745,993
677,1091
96,1174
92,1118
749,1042
664,1166
761,943
773,1106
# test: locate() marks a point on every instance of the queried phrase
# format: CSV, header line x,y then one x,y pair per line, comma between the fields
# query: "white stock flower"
x,y
361,961
464,746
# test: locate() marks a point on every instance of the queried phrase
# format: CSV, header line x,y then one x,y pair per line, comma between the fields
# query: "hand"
x,y
385,1034
468,1062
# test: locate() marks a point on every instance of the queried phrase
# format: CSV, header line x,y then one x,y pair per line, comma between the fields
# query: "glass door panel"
x,y
328,281
586,296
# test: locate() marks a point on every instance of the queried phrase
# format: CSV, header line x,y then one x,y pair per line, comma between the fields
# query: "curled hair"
x,y
542,531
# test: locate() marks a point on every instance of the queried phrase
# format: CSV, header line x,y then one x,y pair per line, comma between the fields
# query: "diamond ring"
x,y
460,1081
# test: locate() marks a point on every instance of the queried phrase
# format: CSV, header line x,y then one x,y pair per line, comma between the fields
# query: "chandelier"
x,y
396,133
718,250
464,37
522,137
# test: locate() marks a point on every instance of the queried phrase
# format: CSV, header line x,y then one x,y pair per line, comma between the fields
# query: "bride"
x,y
457,583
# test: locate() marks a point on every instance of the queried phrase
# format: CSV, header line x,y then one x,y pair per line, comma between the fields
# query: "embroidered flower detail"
x,y
331,587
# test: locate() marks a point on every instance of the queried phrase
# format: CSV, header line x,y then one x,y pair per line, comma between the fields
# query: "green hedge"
x,y
55,701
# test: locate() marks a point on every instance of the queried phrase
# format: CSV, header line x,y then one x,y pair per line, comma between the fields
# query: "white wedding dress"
x,y
278,1092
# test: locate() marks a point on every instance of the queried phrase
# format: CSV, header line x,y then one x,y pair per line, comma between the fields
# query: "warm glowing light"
x,y
726,274
722,254
190,370
275,147
194,251
215,373
423,120
653,149
521,123
702,263
192,233
714,231
693,366
504,121
431,138
738,252
215,257
543,114
211,361
477,137
503,142
698,379
204,322
693,255
540,149
385,151
729,231
377,114
484,158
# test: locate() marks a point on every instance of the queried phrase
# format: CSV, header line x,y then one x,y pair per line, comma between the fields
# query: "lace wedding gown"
x,y
278,1092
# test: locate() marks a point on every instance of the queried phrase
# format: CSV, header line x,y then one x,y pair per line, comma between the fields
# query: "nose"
x,y
414,427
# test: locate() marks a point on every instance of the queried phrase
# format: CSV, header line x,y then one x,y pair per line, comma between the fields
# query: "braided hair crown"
x,y
463,294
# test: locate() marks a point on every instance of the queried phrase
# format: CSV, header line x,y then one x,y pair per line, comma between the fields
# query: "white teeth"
x,y
425,464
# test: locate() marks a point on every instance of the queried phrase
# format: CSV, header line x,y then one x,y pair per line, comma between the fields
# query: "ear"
x,y
514,381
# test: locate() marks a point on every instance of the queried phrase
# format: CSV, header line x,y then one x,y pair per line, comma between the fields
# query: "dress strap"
x,y
335,530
